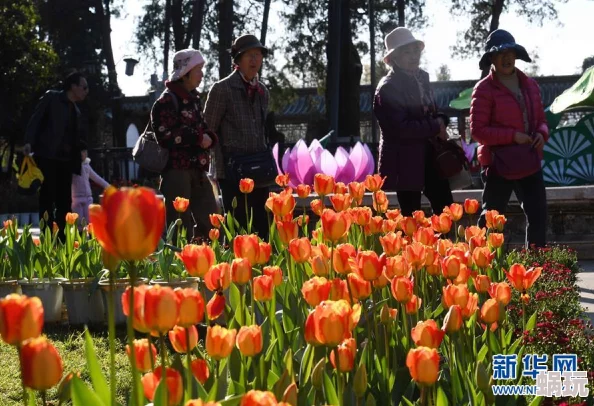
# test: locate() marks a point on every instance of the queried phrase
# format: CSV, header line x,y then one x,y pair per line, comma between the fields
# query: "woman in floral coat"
x,y
177,120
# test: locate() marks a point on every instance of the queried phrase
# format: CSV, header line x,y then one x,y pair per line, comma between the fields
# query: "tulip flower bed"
x,y
363,307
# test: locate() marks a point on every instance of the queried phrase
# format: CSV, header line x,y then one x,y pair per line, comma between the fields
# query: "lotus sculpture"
x,y
302,162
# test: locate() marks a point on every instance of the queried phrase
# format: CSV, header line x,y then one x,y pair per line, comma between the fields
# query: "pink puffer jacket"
x,y
496,115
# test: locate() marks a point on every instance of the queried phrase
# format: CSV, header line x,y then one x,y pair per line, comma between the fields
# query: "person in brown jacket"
x,y
236,109
176,118
408,120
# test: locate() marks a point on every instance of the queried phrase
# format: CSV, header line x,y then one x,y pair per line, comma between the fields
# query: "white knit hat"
x,y
397,38
184,61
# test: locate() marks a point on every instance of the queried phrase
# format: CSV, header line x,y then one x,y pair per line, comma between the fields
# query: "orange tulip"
x,y
191,306
200,370
471,206
303,191
463,276
177,336
139,295
335,225
425,236
495,221
450,267
241,271
389,226
380,282
197,259
315,290
300,249
173,381
368,265
200,402
181,204
341,254
423,365
249,340
143,355
462,253
320,266
21,318
357,191
216,220
302,220
71,218
501,292
219,342
482,283
316,206
454,211
129,222
419,216
482,256
373,183
453,319
408,225
522,279
415,255
309,330
214,234
265,250
340,202
340,188
282,180
360,288
339,290
347,350
443,246
218,277
473,231
490,311
402,289
333,322
427,334
259,398
394,214
392,243
161,308
459,295
397,266
215,306
380,201
442,223
413,306
323,184
275,273
263,288
496,240
246,185
432,262
247,246
41,365
281,204
287,231
477,241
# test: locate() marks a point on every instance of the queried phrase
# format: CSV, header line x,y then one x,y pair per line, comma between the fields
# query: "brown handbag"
x,y
449,158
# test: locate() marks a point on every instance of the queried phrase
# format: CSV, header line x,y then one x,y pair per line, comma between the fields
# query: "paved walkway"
x,y
586,284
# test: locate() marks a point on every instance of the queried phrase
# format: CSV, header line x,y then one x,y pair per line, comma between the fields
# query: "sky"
x,y
561,45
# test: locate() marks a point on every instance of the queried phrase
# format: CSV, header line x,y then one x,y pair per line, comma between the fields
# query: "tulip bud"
x,y
64,390
249,340
177,337
453,319
234,203
290,395
482,378
200,370
360,384
317,375
461,231
37,355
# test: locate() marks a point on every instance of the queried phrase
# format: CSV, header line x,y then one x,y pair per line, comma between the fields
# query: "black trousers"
x,y
55,192
437,190
531,194
256,202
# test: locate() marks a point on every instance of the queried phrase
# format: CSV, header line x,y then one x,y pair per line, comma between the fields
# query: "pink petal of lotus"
x,y
346,170
275,155
305,166
359,159
327,164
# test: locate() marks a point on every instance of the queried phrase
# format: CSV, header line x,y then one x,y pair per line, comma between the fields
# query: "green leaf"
x,y
482,353
31,396
83,396
442,399
407,402
160,393
536,401
493,343
99,383
329,391
531,322
306,365
232,401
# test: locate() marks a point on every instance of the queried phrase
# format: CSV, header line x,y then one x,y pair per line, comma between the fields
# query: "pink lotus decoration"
x,y
302,163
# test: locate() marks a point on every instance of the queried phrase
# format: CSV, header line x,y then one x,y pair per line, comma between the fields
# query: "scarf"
x,y
252,86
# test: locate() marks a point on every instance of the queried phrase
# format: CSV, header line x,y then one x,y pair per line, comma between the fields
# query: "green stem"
x,y
253,300
523,316
452,369
151,357
111,333
189,395
163,367
25,397
135,378
203,290
241,305
44,397
339,379
247,218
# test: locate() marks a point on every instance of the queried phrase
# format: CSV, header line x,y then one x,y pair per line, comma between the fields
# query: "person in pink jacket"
x,y
82,196
507,119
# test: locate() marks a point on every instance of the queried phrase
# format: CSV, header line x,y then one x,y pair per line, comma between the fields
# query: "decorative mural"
x,y
569,155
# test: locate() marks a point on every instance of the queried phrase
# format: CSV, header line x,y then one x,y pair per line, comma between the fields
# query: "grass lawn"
x,y
70,344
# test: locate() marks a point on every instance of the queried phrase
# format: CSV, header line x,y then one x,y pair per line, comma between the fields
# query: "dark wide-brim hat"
x,y
245,43
500,40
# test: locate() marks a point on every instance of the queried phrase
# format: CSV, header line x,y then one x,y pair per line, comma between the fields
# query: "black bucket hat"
x,y
244,43
500,40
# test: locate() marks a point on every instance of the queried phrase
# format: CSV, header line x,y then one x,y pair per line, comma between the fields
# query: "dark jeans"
x,y
55,192
256,202
192,184
437,190
531,194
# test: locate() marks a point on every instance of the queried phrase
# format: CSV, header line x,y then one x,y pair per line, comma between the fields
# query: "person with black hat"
x,y
236,109
507,120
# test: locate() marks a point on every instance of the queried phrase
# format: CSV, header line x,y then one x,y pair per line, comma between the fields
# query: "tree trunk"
x,y
166,39
225,36
372,61
104,16
176,23
333,52
350,78
199,20
265,21
497,9
401,6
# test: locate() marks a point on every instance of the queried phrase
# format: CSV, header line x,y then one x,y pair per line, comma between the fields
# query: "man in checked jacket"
x,y
236,111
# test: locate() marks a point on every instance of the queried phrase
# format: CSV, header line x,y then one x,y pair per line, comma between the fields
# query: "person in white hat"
x,y
176,118
408,120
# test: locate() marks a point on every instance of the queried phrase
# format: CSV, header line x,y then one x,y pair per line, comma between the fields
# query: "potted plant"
x,y
9,265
